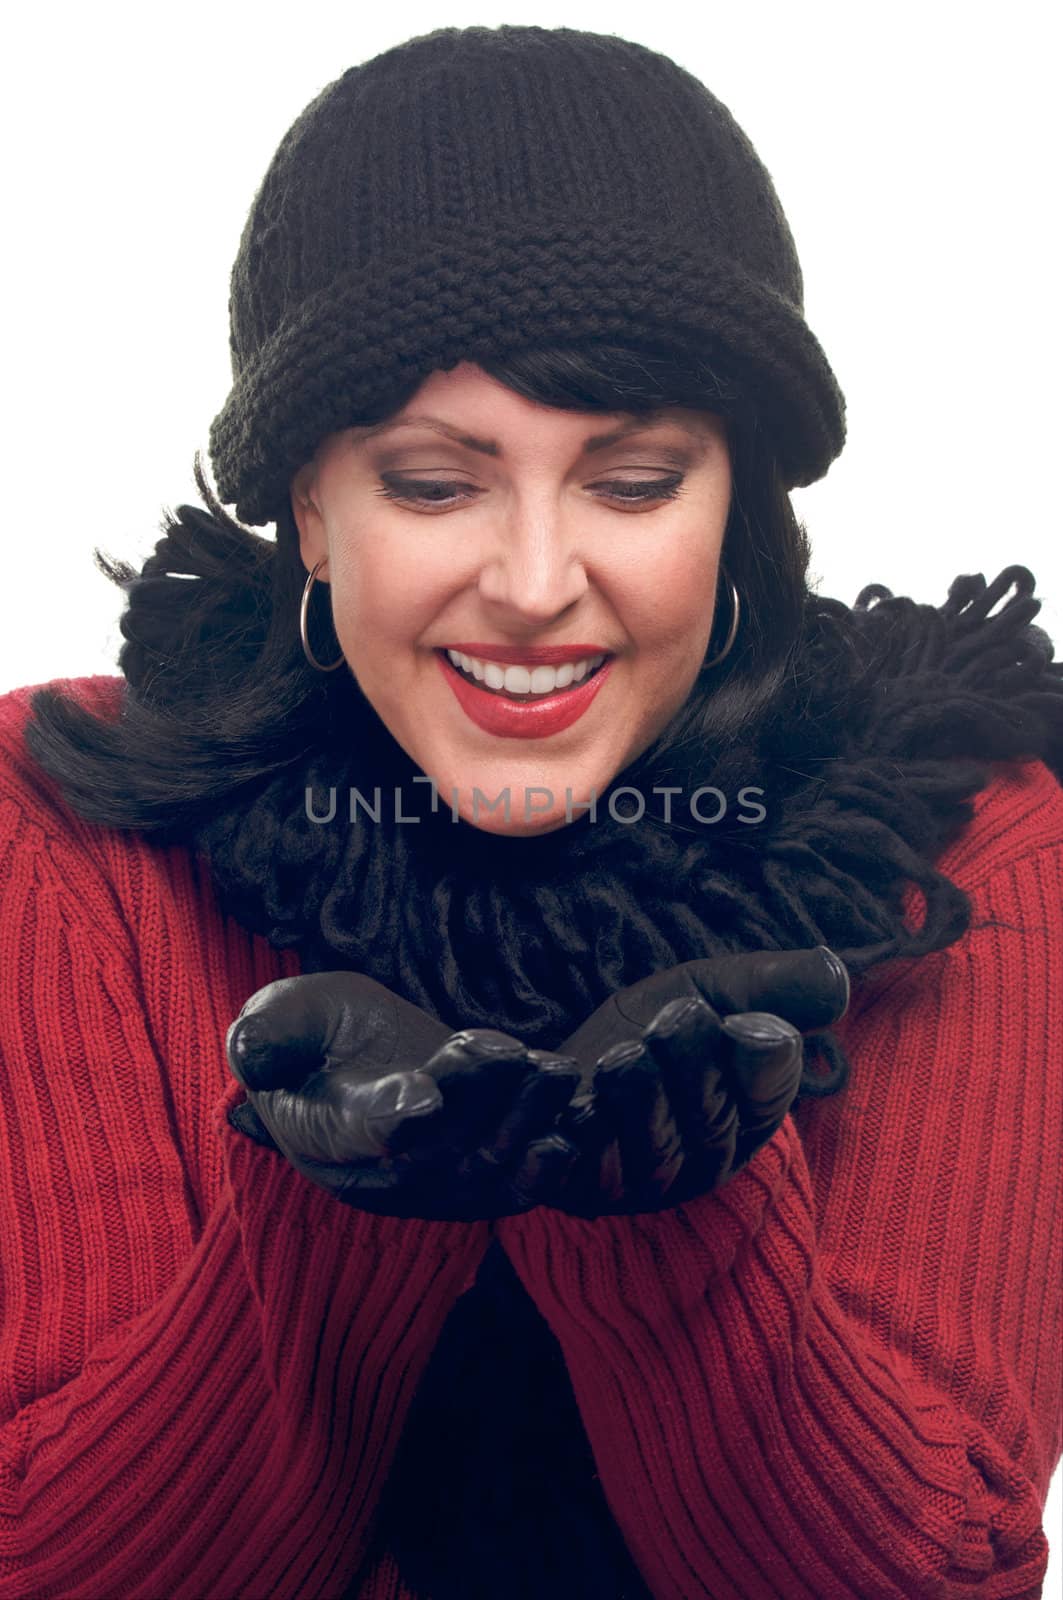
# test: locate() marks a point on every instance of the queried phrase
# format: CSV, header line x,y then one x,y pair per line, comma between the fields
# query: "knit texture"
x,y
474,191
836,1377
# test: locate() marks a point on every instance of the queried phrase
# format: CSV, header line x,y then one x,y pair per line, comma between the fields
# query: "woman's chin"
x,y
518,810
517,804
517,828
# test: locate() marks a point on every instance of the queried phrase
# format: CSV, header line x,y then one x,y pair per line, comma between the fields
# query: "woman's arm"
x,y
838,1376
203,1373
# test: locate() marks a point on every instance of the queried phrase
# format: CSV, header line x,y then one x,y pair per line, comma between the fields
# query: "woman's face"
x,y
482,523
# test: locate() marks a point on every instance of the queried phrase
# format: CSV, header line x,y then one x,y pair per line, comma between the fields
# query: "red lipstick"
x,y
522,719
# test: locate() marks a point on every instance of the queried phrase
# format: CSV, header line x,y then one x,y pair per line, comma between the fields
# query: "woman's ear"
x,y
313,545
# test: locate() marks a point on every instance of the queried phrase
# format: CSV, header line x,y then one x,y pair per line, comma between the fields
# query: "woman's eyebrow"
x,y
489,447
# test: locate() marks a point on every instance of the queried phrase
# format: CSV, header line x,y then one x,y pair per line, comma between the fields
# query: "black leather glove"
x,y
391,1111
686,1074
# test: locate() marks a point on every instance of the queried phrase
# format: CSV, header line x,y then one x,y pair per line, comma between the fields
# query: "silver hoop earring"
x,y
304,612
735,613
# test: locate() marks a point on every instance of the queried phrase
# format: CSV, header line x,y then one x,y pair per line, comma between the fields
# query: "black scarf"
x,y
868,761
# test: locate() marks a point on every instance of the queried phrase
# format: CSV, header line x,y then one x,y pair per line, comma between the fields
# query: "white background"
x,y
915,149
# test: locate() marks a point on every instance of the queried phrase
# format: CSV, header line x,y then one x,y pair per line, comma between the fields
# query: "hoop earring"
x,y
735,613
304,612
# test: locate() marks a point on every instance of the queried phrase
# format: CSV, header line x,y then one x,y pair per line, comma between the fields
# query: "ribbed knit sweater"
x,y
838,1376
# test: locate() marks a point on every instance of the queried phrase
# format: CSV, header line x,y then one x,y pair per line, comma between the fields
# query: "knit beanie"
x,y
477,191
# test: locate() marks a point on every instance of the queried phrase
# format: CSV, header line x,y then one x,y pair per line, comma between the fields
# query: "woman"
x,y
416,1196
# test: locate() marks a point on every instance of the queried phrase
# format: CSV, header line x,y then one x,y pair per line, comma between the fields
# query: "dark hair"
x,y
222,694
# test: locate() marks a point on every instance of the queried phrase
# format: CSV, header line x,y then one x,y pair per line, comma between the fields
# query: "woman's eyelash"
x,y
415,489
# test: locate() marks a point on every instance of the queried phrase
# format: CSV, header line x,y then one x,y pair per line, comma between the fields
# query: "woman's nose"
x,y
534,573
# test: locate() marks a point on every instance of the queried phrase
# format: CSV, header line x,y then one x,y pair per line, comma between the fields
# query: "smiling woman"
x,y
554,532
647,1191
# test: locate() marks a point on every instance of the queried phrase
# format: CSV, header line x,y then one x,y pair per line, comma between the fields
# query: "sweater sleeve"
x,y
203,1376
838,1375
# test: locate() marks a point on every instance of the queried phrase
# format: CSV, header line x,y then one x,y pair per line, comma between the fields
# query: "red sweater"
x,y
837,1377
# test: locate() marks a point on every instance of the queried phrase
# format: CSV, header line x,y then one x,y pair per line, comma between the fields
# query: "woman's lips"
x,y
522,719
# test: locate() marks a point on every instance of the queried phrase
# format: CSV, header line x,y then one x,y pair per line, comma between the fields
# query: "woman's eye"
x,y
421,489
652,489
441,492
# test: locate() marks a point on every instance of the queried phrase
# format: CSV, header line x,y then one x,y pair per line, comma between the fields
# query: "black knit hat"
x,y
478,190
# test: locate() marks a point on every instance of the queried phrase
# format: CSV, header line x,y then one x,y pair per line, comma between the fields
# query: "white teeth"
x,y
522,680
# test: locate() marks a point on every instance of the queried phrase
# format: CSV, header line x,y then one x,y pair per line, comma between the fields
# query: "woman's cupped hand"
x,y
389,1109
662,1094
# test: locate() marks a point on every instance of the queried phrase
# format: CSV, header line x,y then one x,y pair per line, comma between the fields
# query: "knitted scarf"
x,y
866,766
